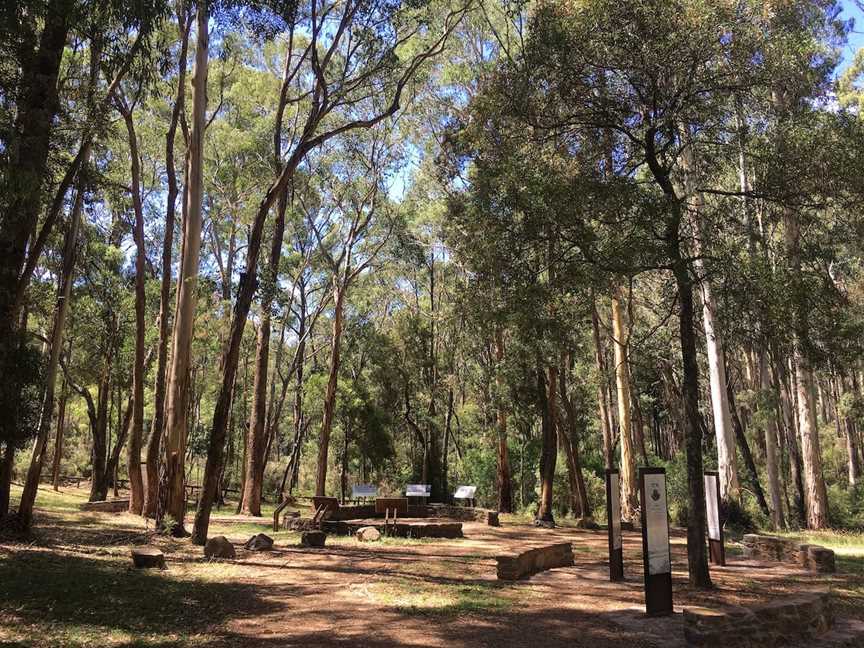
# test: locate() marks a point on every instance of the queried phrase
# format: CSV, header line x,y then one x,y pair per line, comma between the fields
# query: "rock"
x,y
148,557
219,547
586,523
313,539
367,534
260,542
821,560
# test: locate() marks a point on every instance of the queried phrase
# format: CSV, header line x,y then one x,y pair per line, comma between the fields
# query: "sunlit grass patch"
x,y
409,596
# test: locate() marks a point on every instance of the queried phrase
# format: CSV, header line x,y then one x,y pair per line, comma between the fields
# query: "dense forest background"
x,y
288,247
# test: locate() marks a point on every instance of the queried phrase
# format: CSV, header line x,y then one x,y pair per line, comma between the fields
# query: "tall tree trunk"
x,y
154,442
570,443
330,393
7,465
504,483
772,456
741,437
547,391
629,496
133,466
815,494
256,442
58,441
602,400
178,378
99,426
55,348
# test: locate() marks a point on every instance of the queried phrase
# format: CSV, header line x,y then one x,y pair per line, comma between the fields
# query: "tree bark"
x,y
55,348
178,381
504,482
570,442
154,442
629,496
772,456
256,442
602,401
547,391
58,442
330,393
133,465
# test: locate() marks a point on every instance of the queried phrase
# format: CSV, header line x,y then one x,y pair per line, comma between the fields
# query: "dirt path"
x,y
391,593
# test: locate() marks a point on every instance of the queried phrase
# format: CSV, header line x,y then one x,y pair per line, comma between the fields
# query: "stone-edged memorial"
x,y
716,549
613,522
534,560
656,555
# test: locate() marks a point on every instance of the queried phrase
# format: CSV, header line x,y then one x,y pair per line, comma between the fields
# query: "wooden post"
x,y
716,550
656,556
613,523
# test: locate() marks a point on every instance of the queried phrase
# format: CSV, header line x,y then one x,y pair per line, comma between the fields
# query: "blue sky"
x,y
856,38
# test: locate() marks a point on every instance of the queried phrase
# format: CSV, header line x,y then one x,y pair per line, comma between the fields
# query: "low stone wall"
x,y
465,513
771,548
412,529
532,561
772,625
106,506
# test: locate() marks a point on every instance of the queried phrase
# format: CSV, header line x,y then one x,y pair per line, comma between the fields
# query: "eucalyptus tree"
x,y
353,69
35,36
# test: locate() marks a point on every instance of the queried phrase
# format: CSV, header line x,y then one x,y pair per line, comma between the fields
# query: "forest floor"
x,y
71,584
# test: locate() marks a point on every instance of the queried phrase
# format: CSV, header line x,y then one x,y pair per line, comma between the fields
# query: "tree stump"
x,y
259,542
148,557
313,539
219,547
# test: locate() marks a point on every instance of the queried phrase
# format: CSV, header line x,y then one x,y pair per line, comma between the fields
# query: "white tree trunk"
x,y
726,466
178,381
622,383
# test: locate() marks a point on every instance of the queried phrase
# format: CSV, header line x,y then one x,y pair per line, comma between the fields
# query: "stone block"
x,y
367,534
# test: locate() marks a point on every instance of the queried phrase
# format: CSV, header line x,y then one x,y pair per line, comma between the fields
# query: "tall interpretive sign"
x,y
656,555
613,521
716,550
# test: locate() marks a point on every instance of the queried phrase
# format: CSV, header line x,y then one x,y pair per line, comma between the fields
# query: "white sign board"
x,y
657,524
418,490
363,490
465,492
711,499
615,508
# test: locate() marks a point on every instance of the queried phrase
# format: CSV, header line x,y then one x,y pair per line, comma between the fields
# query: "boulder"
x,y
260,542
367,534
148,557
313,538
219,547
